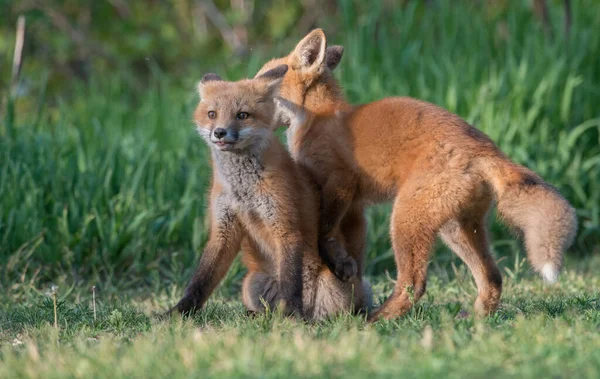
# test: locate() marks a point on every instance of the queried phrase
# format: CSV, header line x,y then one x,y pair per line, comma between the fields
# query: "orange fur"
x,y
441,173
264,203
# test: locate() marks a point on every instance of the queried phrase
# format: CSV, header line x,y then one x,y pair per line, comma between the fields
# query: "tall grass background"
x,y
106,180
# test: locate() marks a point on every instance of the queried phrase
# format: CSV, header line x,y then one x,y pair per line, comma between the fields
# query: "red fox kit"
x,y
441,173
260,198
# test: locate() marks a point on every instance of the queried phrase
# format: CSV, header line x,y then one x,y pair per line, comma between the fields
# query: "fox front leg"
x,y
290,277
222,247
292,115
336,198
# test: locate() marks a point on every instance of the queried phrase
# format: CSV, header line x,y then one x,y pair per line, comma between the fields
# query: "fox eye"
x,y
242,115
212,114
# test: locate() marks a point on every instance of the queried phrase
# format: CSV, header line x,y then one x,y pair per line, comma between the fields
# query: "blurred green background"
x,y
103,179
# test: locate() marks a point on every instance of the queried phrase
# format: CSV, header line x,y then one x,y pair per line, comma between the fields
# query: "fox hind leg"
x,y
466,235
333,296
418,214
259,291
413,232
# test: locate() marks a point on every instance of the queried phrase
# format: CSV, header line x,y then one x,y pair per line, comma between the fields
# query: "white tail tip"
x,y
550,273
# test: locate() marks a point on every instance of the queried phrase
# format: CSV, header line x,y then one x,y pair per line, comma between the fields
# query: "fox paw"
x,y
186,306
288,113
345,268
291,308
283,105
342,265
373,316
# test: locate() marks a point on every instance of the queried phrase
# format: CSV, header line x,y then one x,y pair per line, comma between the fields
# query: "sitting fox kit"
x,y
261,200
441,173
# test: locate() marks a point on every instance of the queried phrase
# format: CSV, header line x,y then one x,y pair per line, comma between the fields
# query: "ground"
x,y
540,330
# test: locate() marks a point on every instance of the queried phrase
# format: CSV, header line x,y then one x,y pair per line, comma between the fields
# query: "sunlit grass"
x,y
538,330
107,186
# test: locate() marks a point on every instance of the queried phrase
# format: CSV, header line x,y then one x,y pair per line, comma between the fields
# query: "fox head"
x,y
309,78
238,116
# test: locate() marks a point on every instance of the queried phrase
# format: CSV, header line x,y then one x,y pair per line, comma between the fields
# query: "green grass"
x,y
106,180
104,183
538,331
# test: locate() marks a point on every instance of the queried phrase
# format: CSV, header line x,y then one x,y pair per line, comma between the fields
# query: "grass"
x,y
105,184
539,331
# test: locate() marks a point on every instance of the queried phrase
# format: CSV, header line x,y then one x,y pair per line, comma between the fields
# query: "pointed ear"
x,y
334,56
210,77
310,52
273,78
274,73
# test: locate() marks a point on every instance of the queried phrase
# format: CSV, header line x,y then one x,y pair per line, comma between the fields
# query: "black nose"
x,y
220,133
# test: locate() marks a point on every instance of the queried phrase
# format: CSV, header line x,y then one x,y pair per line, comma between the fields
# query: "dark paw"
x,y
345,268
187,306
337,259
290,309
373,316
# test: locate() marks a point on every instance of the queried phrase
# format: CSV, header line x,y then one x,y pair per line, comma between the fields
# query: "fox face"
x,y
238,116
310,62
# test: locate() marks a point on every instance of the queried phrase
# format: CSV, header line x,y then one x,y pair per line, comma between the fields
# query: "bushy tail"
x,y
537,209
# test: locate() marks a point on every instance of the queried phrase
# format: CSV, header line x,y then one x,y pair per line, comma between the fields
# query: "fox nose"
x,y
220,133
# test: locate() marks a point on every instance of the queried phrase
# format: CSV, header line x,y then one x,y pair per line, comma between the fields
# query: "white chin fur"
x,y
550,273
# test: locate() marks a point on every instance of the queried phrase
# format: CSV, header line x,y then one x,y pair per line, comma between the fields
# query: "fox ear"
x,y
310,52
210,77
274,73
334,56
273,78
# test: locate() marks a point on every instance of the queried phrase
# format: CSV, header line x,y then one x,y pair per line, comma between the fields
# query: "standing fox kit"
x,y
441,174
262,200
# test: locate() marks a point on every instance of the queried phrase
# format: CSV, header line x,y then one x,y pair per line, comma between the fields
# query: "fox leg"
x,y
295,116
354,229
336,199
416,219
333,296
466,235
289,275
259,291
222,247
